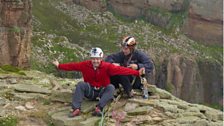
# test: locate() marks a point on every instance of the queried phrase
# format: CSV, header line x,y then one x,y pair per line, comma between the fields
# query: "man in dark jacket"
x,y
96,74
131,58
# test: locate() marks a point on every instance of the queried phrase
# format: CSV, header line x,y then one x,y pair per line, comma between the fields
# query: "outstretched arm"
x,y
68,66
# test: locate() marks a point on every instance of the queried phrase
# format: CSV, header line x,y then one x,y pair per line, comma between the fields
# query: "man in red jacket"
x,y
96,74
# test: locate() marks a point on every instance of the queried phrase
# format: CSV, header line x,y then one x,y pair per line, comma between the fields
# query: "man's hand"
x,y
133,66
142,71
56,63
116,64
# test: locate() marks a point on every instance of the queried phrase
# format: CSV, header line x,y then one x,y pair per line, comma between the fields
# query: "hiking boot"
x,y
97,112
75,112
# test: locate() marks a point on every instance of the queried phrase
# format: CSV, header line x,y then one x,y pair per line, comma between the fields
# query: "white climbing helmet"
x,y
96,53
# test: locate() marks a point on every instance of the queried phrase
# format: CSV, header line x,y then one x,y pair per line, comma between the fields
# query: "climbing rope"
x,y
102,119
106,115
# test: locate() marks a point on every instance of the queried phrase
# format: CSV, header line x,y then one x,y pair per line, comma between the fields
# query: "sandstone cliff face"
x,y
15,32
191,80
205,21
133,9
202,23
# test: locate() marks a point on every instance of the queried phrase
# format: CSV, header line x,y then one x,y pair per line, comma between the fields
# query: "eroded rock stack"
x,y
15,32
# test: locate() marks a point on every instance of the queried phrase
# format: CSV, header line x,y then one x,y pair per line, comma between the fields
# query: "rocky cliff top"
x,y
40,99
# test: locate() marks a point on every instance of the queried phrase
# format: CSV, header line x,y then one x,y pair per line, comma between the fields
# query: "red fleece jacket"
x,y
99,77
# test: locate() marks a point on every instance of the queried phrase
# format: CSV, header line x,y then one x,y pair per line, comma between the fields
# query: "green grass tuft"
x,y
170,87
11,69
8,121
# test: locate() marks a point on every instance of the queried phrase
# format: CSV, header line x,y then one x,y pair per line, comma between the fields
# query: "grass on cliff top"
x,y
46,66
212,53
54,21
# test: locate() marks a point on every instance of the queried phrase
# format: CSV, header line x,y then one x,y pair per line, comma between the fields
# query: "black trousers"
x,y
84,89
126,82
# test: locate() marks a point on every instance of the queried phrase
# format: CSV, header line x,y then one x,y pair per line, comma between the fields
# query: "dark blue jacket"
x,y
138,57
